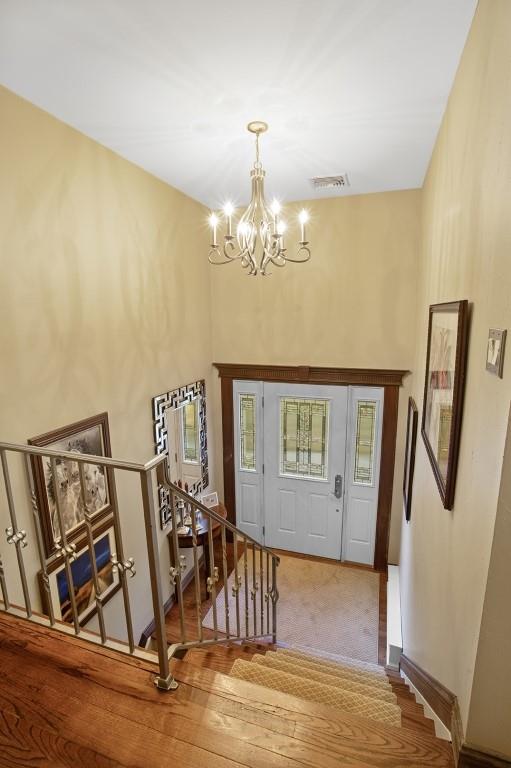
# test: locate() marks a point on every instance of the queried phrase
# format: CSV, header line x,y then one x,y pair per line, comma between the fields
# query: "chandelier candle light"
x,y
259,239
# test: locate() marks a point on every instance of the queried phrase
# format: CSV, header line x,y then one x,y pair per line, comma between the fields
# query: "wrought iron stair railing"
x,y
25,560
249,604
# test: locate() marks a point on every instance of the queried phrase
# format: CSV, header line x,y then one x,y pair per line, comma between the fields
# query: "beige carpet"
x,y
325,606
304,688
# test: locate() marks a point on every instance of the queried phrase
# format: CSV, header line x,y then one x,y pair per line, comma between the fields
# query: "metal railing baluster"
x,y
40,542
196,573
123,576
212,579
267,593
67,551
225,573
274,598
177,572
254,588
261,588
165,680
14,535
236,585
245,568
92,555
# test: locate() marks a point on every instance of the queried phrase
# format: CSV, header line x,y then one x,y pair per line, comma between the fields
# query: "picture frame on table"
x,y
210,499
444,385
90,436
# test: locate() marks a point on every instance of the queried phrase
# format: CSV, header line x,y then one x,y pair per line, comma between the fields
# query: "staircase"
x,y
67,702
360,711
72,696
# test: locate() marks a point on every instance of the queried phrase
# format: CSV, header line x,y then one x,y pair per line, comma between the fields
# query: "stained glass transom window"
x,y
248,432
190,421
304,437
365,442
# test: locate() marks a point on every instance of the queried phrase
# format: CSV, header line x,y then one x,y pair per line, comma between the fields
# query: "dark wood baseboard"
x,y
149,630
440,699
473,758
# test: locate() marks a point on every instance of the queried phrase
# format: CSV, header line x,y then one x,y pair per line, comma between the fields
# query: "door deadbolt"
x,y
338,487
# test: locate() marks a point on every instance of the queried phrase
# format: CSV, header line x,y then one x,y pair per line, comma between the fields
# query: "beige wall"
x,y
104,296
466,254
490,704
350,306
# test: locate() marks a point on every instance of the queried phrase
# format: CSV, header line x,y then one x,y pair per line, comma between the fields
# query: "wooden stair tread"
x,y
221,659
324,721
52,688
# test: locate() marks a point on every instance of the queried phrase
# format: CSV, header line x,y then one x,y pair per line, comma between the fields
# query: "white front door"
x,y
304,459
307,467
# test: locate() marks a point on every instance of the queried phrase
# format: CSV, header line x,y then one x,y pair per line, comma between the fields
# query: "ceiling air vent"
x,y
331,182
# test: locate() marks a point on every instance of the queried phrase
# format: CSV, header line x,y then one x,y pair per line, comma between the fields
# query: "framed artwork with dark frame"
x,y
87,436
443,392
411,442
58,591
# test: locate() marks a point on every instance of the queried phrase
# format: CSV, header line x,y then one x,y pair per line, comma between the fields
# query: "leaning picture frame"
x,y
443,392
90,436
411,442
56,588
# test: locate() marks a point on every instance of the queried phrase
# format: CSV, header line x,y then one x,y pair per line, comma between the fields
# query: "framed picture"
x,y
495,351
83,582
443,392
210,499
87,436
411,440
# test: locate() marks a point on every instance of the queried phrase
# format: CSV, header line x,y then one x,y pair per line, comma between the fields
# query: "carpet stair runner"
x,y
322,682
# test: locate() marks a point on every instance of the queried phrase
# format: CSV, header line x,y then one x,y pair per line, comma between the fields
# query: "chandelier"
x,y
259,239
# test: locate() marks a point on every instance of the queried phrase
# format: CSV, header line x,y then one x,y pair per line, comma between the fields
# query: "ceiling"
x,y
347,86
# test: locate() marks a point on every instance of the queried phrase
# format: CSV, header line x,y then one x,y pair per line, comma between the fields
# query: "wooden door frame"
x,y
390,380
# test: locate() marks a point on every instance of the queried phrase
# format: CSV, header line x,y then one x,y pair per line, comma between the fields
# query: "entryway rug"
x,y
322,605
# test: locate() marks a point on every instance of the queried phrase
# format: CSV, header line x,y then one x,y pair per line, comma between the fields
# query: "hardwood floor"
x,y
66,703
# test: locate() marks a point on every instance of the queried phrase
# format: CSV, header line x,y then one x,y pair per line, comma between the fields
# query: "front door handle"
x,y
338,487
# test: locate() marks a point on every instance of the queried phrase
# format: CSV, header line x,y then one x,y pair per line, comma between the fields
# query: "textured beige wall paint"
x,y
104,296
490,704
350,306
466,253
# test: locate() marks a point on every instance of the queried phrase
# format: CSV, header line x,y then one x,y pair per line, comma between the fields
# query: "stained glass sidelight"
x,y
248,432
190,432
364,442
304,437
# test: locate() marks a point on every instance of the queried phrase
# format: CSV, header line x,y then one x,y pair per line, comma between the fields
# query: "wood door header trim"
x,y
305,374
